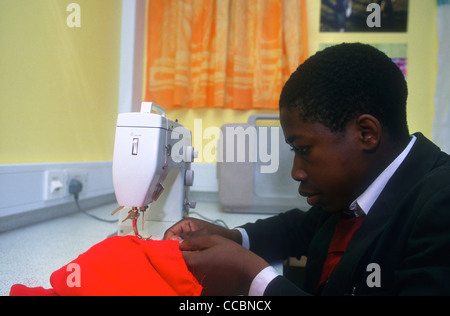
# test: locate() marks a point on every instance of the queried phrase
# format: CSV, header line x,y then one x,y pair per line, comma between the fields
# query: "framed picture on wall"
x,y
364,15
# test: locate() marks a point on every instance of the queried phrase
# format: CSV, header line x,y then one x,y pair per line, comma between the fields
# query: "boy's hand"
x,y
215,256
221,266
190,225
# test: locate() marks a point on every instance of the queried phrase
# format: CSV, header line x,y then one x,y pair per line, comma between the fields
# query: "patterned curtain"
x,y
441,127
223,53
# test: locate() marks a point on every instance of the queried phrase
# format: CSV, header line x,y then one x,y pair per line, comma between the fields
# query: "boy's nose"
x,y
298,174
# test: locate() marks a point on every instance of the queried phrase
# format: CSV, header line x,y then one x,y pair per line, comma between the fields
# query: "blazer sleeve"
x,y
285,235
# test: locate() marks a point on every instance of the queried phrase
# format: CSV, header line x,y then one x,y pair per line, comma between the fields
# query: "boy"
x,y
380,217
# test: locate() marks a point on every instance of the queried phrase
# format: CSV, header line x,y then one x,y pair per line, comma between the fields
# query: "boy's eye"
x,y
300,150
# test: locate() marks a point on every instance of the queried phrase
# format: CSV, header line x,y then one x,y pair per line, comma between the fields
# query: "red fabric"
x,y
22,290
344,232
122,266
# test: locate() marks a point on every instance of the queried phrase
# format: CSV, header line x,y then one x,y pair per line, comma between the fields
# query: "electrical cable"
x,y
214,221
75,188
92,216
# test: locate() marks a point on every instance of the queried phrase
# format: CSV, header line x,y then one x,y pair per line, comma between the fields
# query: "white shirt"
x,y
368,198
365,202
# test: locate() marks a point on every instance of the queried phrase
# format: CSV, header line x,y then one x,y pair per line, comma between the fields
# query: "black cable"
x,y
75,187
90,215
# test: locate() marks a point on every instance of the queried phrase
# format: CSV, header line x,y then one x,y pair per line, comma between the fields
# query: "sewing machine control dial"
x,y
190,154
190,204
189,178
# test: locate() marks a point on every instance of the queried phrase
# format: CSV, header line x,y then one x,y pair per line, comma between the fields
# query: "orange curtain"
x,y
223,53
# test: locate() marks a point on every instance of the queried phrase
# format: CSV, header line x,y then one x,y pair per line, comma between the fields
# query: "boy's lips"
x,y
311,197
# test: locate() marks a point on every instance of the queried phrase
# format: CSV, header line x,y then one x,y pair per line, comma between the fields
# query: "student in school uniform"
x,y
380,217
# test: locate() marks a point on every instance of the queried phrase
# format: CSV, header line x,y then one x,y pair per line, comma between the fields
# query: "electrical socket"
x,y
54,184
79,174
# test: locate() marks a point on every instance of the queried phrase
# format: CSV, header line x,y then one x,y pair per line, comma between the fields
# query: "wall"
x,y
59,85
422,43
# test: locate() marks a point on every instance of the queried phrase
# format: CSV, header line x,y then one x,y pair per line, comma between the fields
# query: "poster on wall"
x,y
364,16
398,52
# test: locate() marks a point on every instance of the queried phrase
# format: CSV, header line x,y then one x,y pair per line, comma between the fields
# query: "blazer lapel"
x,y
340,282
318,252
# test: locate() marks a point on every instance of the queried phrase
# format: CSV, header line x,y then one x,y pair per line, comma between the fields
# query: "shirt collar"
x,y
366,200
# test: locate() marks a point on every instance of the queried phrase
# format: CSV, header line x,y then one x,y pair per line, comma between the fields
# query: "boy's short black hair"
x,y
343,81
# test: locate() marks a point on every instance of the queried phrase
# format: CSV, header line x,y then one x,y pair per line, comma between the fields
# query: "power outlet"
x,y
78,174
54,182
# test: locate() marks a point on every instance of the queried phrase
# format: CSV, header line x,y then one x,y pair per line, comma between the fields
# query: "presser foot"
x,y
136,233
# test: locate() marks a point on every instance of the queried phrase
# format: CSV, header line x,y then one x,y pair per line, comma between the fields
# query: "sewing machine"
x,y
151,172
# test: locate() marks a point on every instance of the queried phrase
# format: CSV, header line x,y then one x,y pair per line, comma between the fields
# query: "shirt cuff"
x,y
261,280
245,239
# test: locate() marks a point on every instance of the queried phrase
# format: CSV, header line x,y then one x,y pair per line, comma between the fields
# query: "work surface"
x,y
30,255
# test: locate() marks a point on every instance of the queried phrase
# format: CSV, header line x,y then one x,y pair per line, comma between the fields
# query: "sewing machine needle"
x,y
143,210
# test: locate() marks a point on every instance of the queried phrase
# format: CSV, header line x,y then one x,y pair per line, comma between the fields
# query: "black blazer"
x,y
406,233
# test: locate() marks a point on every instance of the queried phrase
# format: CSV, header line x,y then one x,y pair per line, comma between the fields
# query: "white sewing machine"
x,y
151,172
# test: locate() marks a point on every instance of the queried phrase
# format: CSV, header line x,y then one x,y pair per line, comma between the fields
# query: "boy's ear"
x,y
369,129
